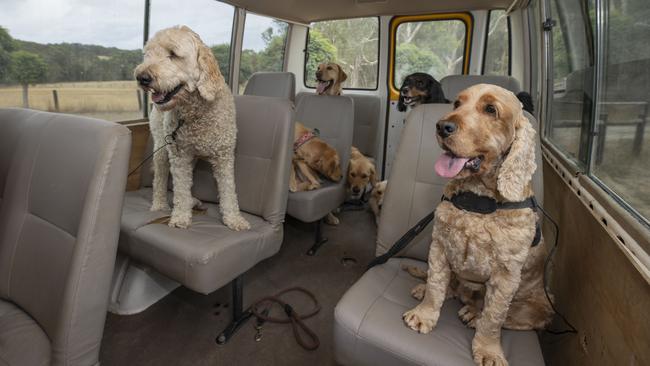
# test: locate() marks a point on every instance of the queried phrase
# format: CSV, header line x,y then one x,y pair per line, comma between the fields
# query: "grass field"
x,y
111,100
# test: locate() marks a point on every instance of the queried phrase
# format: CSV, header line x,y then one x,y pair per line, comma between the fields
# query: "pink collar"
x,y
303,140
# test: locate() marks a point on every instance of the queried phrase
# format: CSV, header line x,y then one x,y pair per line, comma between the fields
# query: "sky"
x,y
119,23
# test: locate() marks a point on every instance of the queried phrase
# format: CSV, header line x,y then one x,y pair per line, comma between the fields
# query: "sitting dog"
x,y
377,199
329,77
312,156
194,115
497,258
362,175
419,88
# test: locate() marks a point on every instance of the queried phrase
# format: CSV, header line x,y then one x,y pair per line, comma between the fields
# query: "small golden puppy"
x,y
362,175
329,77
377,199
311,156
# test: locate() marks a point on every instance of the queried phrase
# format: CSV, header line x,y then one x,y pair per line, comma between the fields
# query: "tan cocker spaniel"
x,y
486,260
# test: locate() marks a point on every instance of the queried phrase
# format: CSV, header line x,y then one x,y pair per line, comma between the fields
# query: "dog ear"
x,y
517,169
342,75
436,95
373,176
210,78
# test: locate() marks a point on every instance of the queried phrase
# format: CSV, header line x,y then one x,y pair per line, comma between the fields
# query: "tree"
x,y
27,68
7,45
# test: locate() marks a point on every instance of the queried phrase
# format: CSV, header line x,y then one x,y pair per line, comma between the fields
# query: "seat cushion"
x,y
203,257
310,206
369,330
22,341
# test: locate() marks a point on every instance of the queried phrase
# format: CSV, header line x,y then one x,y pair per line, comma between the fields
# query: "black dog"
x,y
419,88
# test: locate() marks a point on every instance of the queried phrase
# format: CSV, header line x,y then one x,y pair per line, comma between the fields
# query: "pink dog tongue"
x,y
157,97
320,88
448,166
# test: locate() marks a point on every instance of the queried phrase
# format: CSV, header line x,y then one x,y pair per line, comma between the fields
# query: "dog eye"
x,y
329,67
489,108
172,54
353,175
364,176
456,104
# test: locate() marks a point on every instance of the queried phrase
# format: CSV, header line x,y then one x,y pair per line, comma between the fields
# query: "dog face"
x,y
378,192
361,173
329,77
419,88
488,133
177,63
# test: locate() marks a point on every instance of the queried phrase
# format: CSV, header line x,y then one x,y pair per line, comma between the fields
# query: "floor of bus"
x,y
181,328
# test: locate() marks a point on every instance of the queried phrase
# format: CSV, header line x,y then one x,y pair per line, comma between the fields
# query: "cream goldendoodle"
x,y
490,261
194,112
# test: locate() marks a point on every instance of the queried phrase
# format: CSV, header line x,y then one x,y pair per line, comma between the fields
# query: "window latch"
x,y
548,24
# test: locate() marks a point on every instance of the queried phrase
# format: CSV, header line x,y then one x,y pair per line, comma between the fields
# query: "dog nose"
x,y
144,79
318,74
446,128
356,190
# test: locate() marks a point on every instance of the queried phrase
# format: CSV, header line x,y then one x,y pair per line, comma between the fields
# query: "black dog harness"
x,y
472,202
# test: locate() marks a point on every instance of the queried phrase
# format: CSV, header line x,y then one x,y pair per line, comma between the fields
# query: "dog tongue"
x,y
320,88
449,166
157,97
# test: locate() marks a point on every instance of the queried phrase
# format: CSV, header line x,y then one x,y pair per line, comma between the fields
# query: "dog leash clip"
x,y
258,325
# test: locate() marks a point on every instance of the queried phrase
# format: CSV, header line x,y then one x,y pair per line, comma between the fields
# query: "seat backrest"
x,y
454,84
414,189
262,159
11,128
272,84
333,116
367,109
59,225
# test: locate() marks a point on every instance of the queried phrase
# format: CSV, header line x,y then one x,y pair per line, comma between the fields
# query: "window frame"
x,y
305,53
486,40
465,17
578,167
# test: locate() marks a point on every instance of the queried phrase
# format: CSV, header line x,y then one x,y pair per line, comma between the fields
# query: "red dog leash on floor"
x,y
261,310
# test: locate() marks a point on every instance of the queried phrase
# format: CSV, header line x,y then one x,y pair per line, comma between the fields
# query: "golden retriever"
x,y
362,175
377,199
490,151
312,156
329,77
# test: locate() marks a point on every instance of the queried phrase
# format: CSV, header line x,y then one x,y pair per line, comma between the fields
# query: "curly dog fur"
x,y
192,99
486,259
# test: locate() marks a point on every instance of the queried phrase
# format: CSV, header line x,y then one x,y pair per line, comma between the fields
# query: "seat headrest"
x,y
272,84
454,84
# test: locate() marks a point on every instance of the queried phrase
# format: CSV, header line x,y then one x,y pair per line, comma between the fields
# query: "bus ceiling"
x,y
305,12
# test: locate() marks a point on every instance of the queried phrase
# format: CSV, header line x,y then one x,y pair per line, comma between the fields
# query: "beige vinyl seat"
x,y
368,328
333,117
207,255
63,179
272,84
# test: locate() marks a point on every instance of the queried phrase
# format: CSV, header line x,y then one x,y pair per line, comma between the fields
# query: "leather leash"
x,y
261,310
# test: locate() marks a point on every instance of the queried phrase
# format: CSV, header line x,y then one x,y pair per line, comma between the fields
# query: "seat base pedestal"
x,y
319,240
239,316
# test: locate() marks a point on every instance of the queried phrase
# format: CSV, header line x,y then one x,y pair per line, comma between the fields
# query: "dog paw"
x,y
418,291
159,206
488,353
469,314
180,221
421,319
332,220
236,222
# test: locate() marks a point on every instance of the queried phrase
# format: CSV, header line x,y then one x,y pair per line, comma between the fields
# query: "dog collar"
x,y
304,138
472,202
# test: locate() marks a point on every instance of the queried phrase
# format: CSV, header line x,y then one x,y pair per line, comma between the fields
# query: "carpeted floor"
x,y
181,328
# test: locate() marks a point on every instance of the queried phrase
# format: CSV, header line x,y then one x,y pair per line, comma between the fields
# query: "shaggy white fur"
x,y
190,92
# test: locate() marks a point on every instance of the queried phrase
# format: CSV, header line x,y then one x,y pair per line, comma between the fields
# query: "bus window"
x,y
72,59
496,60
435,47
621,152
351,43
263,47
573,61
199,15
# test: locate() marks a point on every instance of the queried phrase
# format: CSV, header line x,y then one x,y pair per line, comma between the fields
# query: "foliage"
x,y
7,45
27,68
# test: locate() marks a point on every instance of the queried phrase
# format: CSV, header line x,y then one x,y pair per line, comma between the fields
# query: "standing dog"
x,y
494,257
419,88
195,111
329,77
